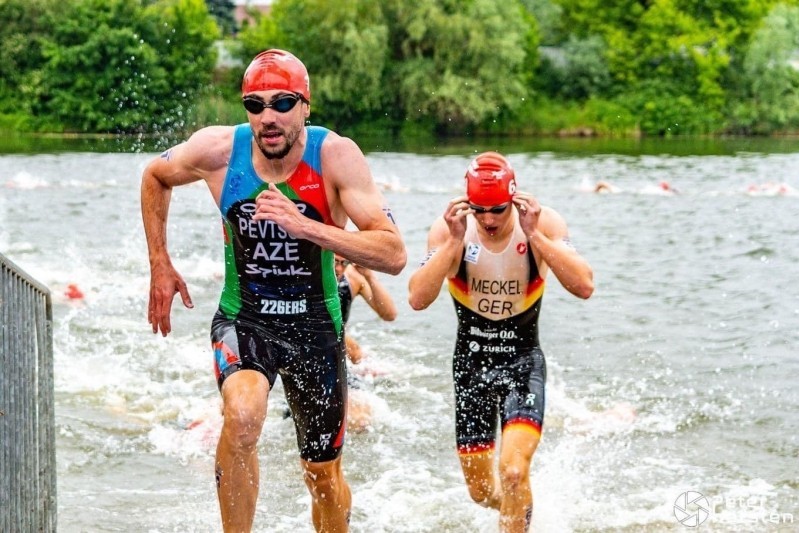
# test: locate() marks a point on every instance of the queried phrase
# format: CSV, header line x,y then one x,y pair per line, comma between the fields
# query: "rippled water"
x,y
677,375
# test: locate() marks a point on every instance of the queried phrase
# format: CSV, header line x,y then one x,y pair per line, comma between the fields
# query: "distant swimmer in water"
x,y
73,292
605,187
601,186
661,188
495,246
771,188
354,280
392,185
667,187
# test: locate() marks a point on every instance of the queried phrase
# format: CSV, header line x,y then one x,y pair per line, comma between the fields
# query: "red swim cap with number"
x,y
276,69
490,180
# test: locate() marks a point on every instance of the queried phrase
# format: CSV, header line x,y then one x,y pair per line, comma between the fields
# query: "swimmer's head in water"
x,y
490,180
276,70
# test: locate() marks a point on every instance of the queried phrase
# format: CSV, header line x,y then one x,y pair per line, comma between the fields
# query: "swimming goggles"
x,y
283,104
495,210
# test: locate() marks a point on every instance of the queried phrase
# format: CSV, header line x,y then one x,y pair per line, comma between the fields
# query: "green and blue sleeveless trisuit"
x,y
279,312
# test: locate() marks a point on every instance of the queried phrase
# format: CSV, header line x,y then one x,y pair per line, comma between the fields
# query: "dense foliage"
x,y
107,65
611,67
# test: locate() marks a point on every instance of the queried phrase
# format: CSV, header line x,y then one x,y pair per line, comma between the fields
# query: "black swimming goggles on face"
x,y
495,210
281,104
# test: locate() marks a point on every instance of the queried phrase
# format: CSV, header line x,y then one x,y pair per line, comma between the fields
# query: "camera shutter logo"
x,y
691,508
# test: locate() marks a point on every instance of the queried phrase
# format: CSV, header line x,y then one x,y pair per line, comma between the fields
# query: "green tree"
x,y
459,63
223,13
577,70
344,45
771,75
663,50
113,65
548,15
21,36
442,63
183,40
97,71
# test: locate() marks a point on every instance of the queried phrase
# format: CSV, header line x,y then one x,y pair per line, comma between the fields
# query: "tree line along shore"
x,y
615,68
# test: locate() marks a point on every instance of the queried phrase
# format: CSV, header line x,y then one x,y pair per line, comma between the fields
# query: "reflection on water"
x,y
26,143
677,375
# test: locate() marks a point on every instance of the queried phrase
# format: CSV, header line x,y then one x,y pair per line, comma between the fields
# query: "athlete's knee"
x,y
513,476
242,426
480,495
324,480
482,492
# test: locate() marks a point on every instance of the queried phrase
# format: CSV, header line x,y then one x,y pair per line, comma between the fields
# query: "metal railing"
x,y
27,410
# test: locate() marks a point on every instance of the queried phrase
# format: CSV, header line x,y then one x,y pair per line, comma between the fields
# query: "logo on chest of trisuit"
x,y
495,296
472,253
264,248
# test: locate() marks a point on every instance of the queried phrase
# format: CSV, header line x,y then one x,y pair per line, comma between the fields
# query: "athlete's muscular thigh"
x,y
525,396
240,345
316,390
244,403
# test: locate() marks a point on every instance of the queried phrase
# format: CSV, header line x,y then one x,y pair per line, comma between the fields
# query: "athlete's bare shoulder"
x,y
341,156
209,148
203,156
439,229
552,223
337,142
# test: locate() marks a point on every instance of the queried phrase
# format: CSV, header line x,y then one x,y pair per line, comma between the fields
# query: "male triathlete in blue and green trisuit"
x,y
495,246
285,192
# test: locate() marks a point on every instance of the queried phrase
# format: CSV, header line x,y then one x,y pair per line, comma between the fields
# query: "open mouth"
x,y
272,136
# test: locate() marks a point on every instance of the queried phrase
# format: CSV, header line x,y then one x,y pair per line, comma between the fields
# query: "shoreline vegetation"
x,y
410,73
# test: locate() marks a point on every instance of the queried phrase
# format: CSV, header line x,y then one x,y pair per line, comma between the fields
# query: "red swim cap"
x,y
490,180
276,69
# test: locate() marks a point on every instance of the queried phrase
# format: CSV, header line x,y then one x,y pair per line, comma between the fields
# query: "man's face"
x,y
276,118
341,265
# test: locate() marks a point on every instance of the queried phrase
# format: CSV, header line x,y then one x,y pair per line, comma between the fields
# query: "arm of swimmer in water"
x,y
374,292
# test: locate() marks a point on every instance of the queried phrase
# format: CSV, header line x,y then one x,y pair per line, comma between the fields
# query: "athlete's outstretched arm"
x,y
185,163
377,244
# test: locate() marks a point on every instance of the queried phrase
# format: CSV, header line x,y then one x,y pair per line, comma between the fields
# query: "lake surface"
x,y
678,376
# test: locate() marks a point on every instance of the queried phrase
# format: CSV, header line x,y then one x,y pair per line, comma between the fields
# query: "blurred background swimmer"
x,y
771,188
662,188
601,186
355,280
